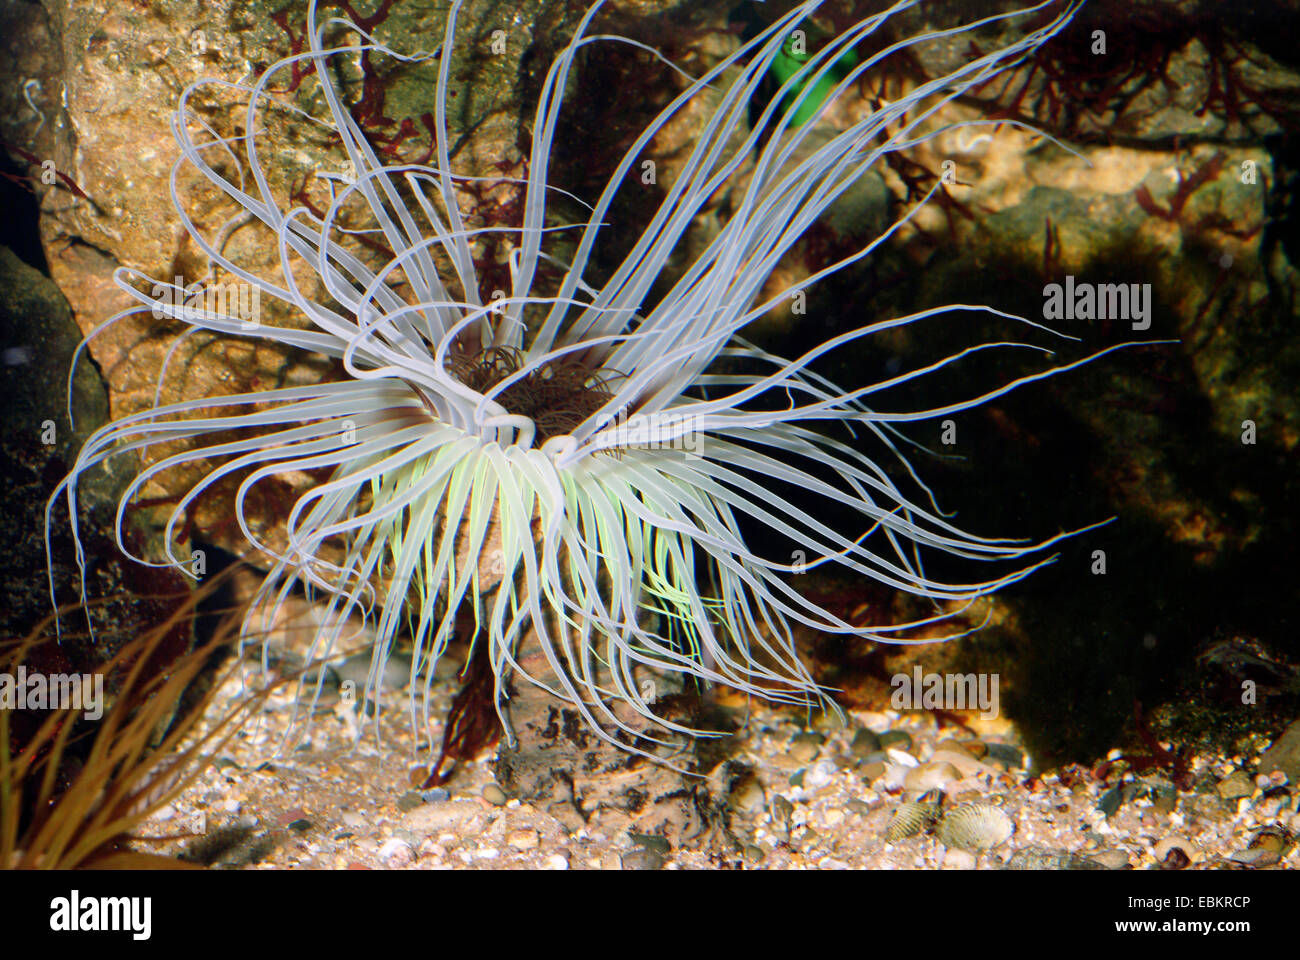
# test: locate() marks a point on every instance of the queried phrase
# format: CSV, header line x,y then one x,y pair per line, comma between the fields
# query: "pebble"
x,y
642,860
805,746
819,775
1271,839
1164,803
1037,858
1284,754
1005,755
902,757
1113,859
930,776
955,859
409,801
873,771
899,739
556,861
1255,857
1274,807
782,809
650,842
864,744
954,745
396,852
748,797
494,795
523,839
968,765
1235,785
430,818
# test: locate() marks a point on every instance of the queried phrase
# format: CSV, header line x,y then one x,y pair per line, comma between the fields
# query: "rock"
x,y
963,761
523,840
805,746
1037,858
396,853
649,842
494,795
642,860
782,810
930,776
819,775
957,859
1284,754
1235,785
1005,755
899,739
747,797
864,744
37,447
1111,859
1257,857
457,816
956,746
871,772
409,801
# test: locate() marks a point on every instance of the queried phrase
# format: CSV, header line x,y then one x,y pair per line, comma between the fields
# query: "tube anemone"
x,y
565,457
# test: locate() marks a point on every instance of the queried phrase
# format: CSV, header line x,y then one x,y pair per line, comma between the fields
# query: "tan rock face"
x,y
109,78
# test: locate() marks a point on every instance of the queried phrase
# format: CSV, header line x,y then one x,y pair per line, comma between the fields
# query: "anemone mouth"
x,y
557,395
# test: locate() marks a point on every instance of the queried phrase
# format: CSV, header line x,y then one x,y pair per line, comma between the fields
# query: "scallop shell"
x,y
911,817
975,826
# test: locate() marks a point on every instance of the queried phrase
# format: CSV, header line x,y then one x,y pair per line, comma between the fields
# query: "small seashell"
x,y
819,775
975,826
1270,839
911,817
1176,853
